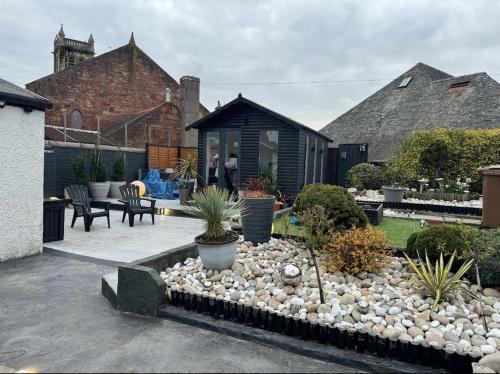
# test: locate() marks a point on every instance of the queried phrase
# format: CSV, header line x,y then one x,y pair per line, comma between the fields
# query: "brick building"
x,y
123,94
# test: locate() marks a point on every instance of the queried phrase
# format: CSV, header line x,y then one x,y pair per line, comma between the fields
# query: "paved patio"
x,y
122,243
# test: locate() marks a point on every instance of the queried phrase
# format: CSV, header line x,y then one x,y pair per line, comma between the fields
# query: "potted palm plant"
x,y
395,178
216,246
118,176
257,222
186,174
98,185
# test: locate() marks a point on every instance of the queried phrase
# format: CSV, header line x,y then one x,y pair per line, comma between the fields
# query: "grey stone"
x,y
491,361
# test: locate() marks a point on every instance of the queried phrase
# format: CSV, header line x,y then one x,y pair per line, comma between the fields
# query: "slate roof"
x,y
132,118
242,100
387,117
15,95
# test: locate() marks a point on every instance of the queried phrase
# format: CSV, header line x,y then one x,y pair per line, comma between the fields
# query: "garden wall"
x,y
59,158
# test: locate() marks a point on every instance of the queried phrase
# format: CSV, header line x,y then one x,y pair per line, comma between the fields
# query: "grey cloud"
x,y
266,41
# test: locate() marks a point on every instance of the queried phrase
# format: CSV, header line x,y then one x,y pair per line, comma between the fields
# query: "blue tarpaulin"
x,y
158,188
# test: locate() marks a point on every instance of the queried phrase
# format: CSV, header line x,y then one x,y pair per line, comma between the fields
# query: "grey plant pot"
x,y
218,256
394,194
257,220
184,194
114,189
99,190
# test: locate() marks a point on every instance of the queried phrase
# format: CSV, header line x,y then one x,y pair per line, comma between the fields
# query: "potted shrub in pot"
x,y
395,180
98,186
186,174
257,222
118,177
216,246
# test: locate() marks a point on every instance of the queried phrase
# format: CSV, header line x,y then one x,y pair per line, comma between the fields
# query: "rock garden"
x,y
439,292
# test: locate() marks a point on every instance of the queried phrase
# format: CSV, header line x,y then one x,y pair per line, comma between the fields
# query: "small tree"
x,y
98,171
118,174
317,228
435,159
79,172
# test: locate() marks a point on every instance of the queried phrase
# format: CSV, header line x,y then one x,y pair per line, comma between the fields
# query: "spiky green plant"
x,y
214,205
185,169
437,280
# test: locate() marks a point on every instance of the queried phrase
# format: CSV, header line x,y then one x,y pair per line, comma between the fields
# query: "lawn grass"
x,y
398,230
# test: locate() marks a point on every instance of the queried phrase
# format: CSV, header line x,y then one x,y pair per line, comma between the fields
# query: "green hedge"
x,y
466,149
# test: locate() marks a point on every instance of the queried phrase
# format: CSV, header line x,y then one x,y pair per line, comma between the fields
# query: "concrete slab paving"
x,y
122,243
53,319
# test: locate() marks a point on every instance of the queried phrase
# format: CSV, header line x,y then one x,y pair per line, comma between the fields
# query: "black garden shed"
x,y
242,140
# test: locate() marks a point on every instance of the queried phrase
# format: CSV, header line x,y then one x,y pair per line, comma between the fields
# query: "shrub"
x,y
118,168
438,281
340,207
487,242
435,240
316,225
79,173
365,177
357,250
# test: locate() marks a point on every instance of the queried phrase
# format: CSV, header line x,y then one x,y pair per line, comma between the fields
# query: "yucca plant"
x,y
185,169
437,280
214,205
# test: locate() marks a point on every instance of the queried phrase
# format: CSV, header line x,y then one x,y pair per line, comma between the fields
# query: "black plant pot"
x,y
257,220
183,195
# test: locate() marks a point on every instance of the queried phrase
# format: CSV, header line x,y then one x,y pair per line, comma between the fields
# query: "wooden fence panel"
x,y
163,157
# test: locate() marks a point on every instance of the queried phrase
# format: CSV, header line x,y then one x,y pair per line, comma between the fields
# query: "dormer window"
x,y
405,82
459,84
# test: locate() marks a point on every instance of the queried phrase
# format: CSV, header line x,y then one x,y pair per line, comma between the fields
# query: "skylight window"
x,y
405,82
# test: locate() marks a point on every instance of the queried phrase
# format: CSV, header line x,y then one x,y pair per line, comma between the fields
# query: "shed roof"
x,y
15,95
432,99
242,100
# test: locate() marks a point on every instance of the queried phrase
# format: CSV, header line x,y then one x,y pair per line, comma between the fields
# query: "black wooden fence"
x,y
58,169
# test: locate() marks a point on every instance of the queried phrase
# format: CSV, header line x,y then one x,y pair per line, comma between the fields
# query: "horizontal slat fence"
x,y
163,156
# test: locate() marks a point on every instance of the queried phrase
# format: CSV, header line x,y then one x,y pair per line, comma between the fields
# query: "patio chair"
x,y
79,196
132,201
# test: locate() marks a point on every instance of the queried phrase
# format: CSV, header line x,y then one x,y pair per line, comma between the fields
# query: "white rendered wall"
x,y
21,182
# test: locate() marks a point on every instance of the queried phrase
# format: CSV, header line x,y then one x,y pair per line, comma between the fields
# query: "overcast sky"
x,y
233,44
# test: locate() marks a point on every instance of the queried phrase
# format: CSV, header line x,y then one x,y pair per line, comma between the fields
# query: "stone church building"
x,y
123,94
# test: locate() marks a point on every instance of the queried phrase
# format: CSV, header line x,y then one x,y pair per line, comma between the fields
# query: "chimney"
x,y
190,106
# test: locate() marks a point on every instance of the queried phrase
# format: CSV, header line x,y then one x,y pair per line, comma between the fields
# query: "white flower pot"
x,y
218,256
114,189
99,190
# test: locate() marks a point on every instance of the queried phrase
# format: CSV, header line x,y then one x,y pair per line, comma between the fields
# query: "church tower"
x,y
69,52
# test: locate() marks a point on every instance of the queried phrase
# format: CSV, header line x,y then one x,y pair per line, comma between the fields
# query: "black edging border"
x,y
451,209
210,312
339,337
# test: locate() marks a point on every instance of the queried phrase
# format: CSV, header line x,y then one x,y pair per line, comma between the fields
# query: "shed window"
x,y
76,119
268,152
